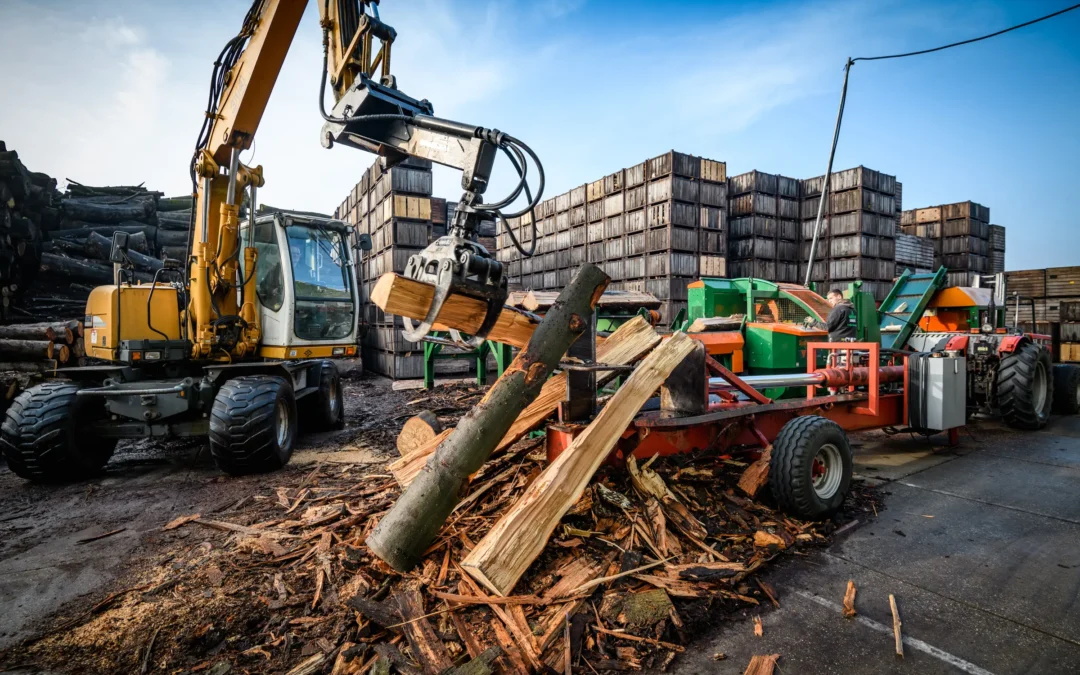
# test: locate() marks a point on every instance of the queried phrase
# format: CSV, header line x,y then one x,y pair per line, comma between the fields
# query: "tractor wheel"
x,y
810,471
1066,389
44,436
253,424
1025,387
324,410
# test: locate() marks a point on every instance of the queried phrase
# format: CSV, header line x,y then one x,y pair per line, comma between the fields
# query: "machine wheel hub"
x,y
1039,385
282,422
827,471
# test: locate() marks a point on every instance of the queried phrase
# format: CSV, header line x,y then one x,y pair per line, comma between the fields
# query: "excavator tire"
x,y
43,436
324,410
1025,387
1066,389
253,424
811,467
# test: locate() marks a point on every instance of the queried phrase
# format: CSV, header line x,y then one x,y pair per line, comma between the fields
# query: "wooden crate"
x,y
712,266
1070,352
667,213
674,187
753,203
676,163
1026,283
1062,282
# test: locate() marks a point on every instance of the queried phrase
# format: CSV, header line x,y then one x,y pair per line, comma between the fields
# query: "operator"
x,y
841,320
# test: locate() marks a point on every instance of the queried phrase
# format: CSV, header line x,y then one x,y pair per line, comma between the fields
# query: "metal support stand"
x,y
434,343
580,402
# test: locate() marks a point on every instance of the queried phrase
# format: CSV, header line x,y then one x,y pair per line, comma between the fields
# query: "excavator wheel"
x,y
1025,387
44,436
325,409
253,424
811,467
1066,389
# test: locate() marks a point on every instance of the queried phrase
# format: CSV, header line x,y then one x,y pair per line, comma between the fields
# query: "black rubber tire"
x,y
1016,377
244,425
1066,389
324,410
43,438
790,469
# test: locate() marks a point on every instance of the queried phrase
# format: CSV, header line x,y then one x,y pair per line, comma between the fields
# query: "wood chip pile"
x,y
283,583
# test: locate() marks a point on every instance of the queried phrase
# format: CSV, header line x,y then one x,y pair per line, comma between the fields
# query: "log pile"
x,y
54,247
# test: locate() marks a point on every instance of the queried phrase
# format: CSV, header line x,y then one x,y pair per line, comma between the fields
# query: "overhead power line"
x,y
843,100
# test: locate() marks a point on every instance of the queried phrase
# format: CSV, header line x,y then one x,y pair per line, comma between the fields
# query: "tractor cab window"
x,y
324,299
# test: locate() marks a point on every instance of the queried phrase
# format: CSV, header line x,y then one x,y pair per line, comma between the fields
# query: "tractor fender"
x,y
1011,343
958,343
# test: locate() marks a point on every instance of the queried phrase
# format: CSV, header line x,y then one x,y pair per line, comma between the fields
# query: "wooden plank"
x,y
849,600
395,294
625,346
503,555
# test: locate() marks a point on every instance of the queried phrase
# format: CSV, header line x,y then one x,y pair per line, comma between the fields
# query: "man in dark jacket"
x,y
841,321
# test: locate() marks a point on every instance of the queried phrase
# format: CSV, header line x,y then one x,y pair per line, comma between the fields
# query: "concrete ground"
x,y
980,547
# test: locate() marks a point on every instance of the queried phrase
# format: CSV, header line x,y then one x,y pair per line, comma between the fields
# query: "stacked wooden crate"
x,y
395,208
914,253
857,240
997,249
653,227
1049,304
763,226
960,234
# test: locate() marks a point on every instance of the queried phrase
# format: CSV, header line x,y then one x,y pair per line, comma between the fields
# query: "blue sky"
x,y
111,92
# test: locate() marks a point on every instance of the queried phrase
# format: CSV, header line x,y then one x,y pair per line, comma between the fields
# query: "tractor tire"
x,y
253,424
1025,387
324,410
811,467
43,435
1066,389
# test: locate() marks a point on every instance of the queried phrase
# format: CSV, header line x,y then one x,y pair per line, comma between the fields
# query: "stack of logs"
x,y
26,206
29,351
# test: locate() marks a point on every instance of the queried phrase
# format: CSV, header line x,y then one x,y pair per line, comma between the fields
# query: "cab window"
x,y
321,282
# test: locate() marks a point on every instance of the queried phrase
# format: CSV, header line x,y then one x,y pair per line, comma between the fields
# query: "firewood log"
x,y
136,209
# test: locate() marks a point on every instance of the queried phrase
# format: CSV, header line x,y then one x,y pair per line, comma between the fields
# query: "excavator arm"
x,y
370,114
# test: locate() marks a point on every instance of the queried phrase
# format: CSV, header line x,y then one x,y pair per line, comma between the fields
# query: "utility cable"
x,y
843,100
967,42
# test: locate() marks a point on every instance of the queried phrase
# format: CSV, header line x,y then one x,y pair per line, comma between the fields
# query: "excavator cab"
x,y
306,285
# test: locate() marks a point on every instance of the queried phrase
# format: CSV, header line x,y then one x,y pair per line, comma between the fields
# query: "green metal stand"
x,y
433,352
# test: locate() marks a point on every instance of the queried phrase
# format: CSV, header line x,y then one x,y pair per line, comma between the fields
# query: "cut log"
x,y
411,525
28,366
503,555
81,270
31,349
144,262
81,230
99,246
395,294
627,344
31,331
168,204
757,474
179,221
715,323
173,252
134,209
171,237
417,432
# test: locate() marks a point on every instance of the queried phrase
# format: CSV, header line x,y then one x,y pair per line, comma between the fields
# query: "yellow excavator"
x,y
232,342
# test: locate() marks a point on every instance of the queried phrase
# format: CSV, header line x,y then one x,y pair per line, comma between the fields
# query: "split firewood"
x,y
758,629
426,646
503,555
396,294
415,519
417,432
626,345
762,664
757,474
648,482
896,626
849,599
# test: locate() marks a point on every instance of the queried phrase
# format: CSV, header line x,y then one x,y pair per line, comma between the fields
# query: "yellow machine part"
x,y
118,313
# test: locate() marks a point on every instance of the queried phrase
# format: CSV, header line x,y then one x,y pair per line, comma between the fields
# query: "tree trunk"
x,y
413,522
81,270
144,262
175,220
84,230
136,209
27,366
167,204
30,349
171,237
174,252
31,331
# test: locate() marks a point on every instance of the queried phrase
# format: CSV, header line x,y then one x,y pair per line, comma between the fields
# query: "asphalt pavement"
x,y
979,545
